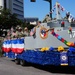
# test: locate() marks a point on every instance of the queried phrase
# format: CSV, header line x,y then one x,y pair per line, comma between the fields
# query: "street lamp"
x,y
50,2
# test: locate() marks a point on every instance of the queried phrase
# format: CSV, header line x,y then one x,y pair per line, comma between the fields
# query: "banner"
x,y
63,58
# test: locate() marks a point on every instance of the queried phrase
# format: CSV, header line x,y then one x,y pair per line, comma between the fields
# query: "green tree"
x,y
7,20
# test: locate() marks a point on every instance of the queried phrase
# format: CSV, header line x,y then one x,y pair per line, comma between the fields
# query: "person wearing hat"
x,y
19,32
26,32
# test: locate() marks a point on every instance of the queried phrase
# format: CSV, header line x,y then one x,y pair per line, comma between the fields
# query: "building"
x,y
15,6
31,20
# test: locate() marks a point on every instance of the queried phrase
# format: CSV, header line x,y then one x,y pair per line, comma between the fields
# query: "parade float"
x,y
53,44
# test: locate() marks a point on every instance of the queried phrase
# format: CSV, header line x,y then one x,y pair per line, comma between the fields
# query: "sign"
x,y
63,59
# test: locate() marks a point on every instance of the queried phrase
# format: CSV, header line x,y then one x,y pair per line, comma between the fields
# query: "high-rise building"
x,y
15,6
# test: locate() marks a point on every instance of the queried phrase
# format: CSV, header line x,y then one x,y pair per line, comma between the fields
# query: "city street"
x,y
8,67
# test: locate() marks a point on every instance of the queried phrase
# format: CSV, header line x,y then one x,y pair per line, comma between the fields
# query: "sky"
x,y
40,8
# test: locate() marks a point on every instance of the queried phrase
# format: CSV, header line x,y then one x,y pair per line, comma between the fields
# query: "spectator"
x,y
14,34
26,32
20,32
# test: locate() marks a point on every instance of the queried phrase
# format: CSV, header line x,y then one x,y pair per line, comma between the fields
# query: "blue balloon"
x,y
51,49
72,49
59,37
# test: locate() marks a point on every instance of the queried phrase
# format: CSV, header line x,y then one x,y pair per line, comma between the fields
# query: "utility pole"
x,y
50,2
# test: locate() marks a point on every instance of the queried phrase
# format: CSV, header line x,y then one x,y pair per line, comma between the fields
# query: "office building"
x,y
15,6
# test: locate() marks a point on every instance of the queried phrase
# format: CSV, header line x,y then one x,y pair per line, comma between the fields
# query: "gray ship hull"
x,y
51,41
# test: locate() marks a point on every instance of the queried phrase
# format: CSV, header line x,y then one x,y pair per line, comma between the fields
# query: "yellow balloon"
x,y
44,49
47,48
60,48
69,43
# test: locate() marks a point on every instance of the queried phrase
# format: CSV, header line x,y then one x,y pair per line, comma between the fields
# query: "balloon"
x,y
60,48
59,37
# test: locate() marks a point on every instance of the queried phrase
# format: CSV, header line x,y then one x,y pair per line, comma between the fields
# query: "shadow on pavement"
x,y
57,69
54,69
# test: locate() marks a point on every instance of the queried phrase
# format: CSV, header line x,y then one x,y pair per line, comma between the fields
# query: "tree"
x,y
7,20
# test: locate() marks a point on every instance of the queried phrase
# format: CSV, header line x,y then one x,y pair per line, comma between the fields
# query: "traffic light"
x,y
33,0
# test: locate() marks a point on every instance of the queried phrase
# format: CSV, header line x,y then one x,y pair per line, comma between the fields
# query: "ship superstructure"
x,y
61,27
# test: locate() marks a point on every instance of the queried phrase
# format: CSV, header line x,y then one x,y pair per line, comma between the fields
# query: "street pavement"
x,y
8,67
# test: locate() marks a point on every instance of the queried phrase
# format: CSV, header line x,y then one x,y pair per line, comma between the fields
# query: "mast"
x,y
58,11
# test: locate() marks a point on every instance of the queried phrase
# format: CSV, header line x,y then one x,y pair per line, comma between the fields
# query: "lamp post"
x,y
50,2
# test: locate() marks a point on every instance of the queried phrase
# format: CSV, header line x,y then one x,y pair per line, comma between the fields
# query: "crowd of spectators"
x,y
17,32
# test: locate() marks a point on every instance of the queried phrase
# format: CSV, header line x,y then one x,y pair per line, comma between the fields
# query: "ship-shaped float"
x,y
53,44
